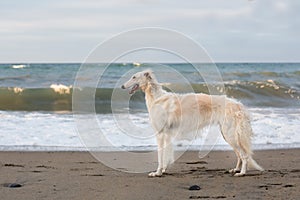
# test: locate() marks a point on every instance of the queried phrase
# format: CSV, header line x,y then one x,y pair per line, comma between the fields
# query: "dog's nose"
x,y
123,87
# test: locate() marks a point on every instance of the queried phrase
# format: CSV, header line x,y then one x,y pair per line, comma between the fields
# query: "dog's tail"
x,y
254,164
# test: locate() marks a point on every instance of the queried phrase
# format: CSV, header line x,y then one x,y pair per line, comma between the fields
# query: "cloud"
x,y
239,27
220,14
281,6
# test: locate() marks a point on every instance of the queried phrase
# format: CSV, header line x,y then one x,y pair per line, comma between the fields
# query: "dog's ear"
x,y
147,74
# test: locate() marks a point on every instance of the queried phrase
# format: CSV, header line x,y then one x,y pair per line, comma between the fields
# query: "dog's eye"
x,y
133,77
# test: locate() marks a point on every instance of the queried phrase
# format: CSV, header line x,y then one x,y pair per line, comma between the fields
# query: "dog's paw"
x,y
154,174
239,174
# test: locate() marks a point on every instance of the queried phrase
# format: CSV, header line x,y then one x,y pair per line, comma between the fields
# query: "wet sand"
x,y
77,175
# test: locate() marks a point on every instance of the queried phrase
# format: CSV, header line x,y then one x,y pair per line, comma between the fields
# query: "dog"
x,y
176,115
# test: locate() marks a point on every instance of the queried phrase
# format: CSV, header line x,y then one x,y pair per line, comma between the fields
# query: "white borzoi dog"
x,y
173,115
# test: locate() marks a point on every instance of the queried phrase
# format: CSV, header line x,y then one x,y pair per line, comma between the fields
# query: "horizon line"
x,y
132,62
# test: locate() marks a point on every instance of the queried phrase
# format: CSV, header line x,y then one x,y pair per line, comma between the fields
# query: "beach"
x,y
44,140
78,175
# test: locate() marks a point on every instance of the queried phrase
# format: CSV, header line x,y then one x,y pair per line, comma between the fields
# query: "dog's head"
x,y
138,80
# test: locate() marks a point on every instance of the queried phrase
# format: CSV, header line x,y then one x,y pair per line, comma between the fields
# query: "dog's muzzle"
x,y
134,88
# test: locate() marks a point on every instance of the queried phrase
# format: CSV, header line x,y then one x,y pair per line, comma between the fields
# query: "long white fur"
x,y
177,115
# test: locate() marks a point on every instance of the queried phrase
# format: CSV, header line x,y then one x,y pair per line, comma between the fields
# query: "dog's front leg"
x,y
168,154
160,151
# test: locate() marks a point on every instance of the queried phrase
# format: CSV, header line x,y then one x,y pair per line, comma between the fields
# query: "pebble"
x,y
195,187
12,185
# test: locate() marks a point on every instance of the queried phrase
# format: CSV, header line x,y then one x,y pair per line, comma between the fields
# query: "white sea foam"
x,y
273,128
18,66
136,64
61,89
16,90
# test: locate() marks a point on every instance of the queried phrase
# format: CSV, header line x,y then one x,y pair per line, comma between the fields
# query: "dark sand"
x,y
77,175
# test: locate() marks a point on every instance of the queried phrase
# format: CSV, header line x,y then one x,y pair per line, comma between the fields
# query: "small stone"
x,y
13,185
195,187
289,185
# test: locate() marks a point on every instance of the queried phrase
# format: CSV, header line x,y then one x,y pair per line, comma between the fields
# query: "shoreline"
x,y
226,147
78,175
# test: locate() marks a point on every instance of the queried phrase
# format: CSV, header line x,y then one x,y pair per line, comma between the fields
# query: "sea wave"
x,y
16,78
262,74
57,97
268,88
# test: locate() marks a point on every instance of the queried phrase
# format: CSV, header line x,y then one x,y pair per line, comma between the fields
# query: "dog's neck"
x,y
153,90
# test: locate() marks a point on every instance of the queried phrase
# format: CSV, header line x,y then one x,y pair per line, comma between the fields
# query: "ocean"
x,y
36,104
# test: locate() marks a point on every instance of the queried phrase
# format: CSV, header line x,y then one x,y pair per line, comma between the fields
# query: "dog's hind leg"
x,y
238,164
228,133
247,160
244,158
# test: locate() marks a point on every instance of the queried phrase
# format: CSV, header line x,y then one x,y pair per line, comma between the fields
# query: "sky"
x,y
229,30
